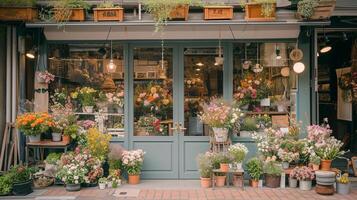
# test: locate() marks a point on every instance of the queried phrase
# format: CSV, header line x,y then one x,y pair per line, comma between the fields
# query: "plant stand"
x,y
220,146
45,144
232,172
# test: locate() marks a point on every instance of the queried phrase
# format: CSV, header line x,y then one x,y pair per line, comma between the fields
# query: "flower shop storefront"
x,y
148,94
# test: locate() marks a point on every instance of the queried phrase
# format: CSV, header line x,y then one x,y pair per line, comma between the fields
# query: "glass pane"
x,y
153,111
203,80
79,67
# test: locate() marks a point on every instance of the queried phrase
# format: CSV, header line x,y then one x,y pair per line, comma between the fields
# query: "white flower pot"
x,y
56,137
245,133
305,185
102,186
220,134
35,138
343,188
293,182
285,165
87,109
265,102
260,183
239,165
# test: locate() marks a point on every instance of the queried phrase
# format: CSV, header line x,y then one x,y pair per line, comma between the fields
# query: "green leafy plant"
x,y
21,3
52,158
306,8
267,9
107,4
63,9
204,162
72,131
272,168
20,173
249,124
315,160
133,161
161,9
5,184
103,180
255,168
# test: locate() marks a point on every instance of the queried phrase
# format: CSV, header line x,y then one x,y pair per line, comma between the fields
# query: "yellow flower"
x,y
166,101
74,95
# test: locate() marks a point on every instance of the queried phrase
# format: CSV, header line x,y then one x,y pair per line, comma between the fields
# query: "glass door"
x,y
203,79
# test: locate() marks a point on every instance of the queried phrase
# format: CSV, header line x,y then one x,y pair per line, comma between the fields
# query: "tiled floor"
x,y
166,190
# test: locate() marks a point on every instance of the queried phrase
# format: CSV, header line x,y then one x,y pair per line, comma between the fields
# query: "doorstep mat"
x,y
126,193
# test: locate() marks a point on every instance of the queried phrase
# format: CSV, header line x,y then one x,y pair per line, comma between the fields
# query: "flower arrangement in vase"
x,y
204,162
150,125
132,163
220,116
117,99
238,152
44,77
87,97
288,152
34,124
305,175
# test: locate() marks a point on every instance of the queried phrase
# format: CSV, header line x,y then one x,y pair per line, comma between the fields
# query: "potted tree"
x,y
272,171
34,124
19,10
132,163
248,127
204,162
260,10
69,10
343,184
108,11
163,10
255,170
21,177
238,152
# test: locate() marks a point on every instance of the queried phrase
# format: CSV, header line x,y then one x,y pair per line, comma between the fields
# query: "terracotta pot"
x,y
254,183
224,167
272,181
134,179
66,139
220,181
326,165
206,182
237,181
315,167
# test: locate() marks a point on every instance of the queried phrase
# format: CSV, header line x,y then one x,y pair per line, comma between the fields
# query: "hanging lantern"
x,y
111,67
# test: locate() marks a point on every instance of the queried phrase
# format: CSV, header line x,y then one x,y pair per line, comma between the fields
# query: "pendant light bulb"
x,y
299,67
111,67
326,47
30,54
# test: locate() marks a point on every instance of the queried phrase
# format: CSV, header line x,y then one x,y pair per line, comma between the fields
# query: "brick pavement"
x,y
199,194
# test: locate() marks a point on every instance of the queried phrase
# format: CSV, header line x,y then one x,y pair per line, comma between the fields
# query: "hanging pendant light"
x,y
326,46
111,67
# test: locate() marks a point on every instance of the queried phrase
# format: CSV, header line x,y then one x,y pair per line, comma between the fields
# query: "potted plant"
x,y
287,156
70,132
102,183
220,178
107,11
34,124
328,150
44,77
218,11
116,99
220,116
132,163
19,10
305,176
248,126
5,185
72,174
87,97
272,171
260,10
21,177
69,10
315,9
163,10
343,184
51,163
315,162
238,152
255,170
60,123
205,167
114,177
293,178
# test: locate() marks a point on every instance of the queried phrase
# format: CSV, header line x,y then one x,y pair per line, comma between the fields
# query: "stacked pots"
x,y
325,181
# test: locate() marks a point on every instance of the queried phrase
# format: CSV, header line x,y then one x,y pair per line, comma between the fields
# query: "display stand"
x,y
45,144
234,172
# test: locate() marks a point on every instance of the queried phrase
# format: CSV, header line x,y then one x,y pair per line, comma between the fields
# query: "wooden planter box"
x,y
323,11
108,14
180,13
253,12
18,13
78,14
218,12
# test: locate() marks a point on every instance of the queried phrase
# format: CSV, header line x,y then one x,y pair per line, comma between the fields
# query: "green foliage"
x,y
218,158
52,158
306,8
14,3
115,164
72,131
315,160
5,184
204,165
272,168
161,9
255,168
71,4
249,124
107,4
267,6
103,180
21,173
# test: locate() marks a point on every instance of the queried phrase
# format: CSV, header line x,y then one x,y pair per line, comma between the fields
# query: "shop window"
x,y
93,67
264,82
153,103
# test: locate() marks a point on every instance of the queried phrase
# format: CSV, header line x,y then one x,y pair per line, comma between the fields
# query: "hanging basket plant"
x,y
163,10
69,10
20,10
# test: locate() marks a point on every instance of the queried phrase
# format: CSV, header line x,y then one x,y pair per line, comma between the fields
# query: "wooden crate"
x,y
253,12
77,14
108,14
324,10
18,13
218,12
180,13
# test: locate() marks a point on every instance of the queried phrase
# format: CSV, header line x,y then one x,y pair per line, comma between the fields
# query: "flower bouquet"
x,y
318,133
34,124
238,152
116,99
328,150
86,97
132,162
44,77
150,125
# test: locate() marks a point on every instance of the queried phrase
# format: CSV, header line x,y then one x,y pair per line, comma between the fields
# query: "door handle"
x,y
181,128
176,127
